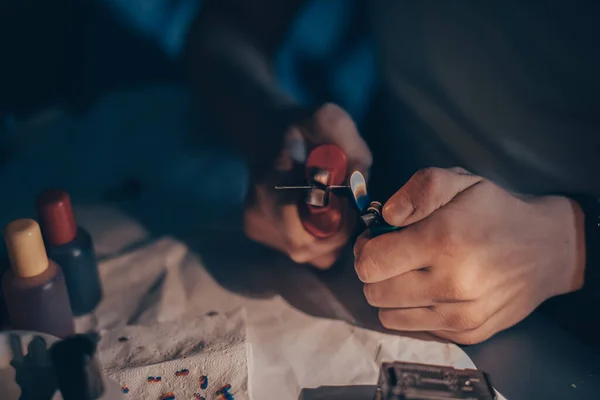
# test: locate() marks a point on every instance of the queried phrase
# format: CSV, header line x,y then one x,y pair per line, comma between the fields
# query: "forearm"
x,y
232,76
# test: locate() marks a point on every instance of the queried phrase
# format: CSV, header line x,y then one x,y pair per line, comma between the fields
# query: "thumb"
x,y
332,124
426,191
293,151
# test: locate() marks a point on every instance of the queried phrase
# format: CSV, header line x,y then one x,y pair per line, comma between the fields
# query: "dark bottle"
x,y
72,248
34,287
78,370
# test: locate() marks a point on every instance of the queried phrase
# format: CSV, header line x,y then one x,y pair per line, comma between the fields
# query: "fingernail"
x,y
295,145
395,213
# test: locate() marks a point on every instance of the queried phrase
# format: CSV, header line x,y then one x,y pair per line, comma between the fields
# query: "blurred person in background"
x,y
477,120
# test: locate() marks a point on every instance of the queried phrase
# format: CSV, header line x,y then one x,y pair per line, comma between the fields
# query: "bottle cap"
x,y
25,248
56,217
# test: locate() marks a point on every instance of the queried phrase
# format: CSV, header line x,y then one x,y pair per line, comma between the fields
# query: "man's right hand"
x,y
269,220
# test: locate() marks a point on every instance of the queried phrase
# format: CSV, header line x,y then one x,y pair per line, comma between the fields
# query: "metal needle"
x,y
308,187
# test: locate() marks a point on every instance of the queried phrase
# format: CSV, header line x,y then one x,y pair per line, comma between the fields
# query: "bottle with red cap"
x,y
72,248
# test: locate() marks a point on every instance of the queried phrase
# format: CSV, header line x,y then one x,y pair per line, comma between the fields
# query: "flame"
x,y
358,185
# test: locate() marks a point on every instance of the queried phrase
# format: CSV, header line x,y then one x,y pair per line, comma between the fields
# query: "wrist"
x,y
564,238
589,207
579,265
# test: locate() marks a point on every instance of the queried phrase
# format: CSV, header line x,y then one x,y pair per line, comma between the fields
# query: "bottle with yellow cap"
x,y
34,287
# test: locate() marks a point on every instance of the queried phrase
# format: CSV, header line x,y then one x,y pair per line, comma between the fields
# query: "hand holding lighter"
x,y
373,219
370,211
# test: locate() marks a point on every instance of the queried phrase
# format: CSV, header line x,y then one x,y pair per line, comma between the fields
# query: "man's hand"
x,y
472,259
268,219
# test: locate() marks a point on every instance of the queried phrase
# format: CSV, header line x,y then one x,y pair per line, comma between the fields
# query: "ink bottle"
x,y
34,286
72,248
78,370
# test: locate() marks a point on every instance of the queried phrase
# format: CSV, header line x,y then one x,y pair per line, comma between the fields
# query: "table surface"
x,y
537,360
533,360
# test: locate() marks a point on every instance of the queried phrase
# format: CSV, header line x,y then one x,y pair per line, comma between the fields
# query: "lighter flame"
x,y
358,185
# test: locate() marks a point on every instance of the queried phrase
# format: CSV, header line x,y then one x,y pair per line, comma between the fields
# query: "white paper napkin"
x,y
292,351
179,352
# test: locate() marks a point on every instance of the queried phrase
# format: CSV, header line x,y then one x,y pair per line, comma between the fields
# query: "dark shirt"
x,y
507,89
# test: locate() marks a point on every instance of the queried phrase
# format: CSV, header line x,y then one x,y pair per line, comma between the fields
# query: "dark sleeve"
x,y
228,58
572,311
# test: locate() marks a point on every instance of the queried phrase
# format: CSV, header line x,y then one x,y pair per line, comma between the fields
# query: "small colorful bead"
x,y
223,393
198,396
124,389
168,396
154,379
224,389
203,381
183,372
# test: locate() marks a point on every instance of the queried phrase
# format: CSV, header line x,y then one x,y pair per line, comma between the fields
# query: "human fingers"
x,y
263,229
360,242
276,225
326,261
327,250
300,245
425,192
394,253
331,124
455,317
503,319
420,288
280,227
295,245
294,145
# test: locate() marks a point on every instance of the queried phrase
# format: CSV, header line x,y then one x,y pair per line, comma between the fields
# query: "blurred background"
x,y
94,99
89,101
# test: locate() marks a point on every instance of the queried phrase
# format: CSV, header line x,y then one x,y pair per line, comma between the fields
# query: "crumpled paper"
x,y
213,346
289,352
292,352
147,330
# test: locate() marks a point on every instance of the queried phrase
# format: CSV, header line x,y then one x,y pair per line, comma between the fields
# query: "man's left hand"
x,y
472,258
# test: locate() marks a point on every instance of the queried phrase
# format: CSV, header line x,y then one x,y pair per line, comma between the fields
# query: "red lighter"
x,y
321,214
